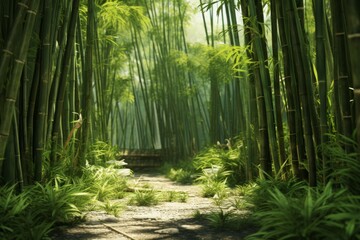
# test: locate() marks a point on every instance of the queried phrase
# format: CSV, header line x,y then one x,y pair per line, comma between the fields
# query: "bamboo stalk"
x,y
14,83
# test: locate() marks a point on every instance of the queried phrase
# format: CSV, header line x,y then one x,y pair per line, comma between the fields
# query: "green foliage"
x,y
261,192
221,219
12,211
144,198
198,215
223,162
213,188
104,183
101,152
33,213
344,166
112,207
182,172
173,196
58,203
180,175
116,14
317,214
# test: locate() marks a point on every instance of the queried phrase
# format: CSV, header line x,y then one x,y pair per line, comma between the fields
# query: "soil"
x,y
167,220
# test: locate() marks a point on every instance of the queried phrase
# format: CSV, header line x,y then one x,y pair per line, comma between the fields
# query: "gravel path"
x,y
167,220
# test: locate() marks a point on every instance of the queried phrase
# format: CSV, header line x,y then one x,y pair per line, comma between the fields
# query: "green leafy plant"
x,y
223,161
221,219
345,166
213,187
145,198
319,214
101,152
181,176
113,208
12,209
261,191
17,218
198,215
104,183
57,203
173,196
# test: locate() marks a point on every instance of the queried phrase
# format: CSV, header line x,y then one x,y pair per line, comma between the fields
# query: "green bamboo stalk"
x,y
12,41
59,57
65,65
321,73
301,64
277,92
352,13
255,10
42,93
264,154
342,73
253,126
14,81
87,100
293,108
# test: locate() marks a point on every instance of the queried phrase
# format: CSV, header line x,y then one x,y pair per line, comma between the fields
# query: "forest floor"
x,y
167,220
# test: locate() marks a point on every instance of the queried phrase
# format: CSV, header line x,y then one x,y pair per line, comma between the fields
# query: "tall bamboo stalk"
x,y
321,73
87,97
56,134
342,72
13,83
304,81
352,13
42,93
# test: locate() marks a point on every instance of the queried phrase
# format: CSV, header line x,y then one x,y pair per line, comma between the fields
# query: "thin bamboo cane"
x,y
87,106
277,92
321,73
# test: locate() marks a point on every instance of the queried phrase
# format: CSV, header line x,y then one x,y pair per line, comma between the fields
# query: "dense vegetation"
x,y
270,98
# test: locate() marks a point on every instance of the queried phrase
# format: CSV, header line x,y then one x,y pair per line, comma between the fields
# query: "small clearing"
x,y
167,220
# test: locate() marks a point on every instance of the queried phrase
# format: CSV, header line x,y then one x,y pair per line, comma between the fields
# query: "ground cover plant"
x,y
63,198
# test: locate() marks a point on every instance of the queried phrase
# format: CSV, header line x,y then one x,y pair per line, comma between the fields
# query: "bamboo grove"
x,y
279,77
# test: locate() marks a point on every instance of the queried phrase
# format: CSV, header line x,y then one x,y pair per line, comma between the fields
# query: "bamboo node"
x,y
354,35
23,5
19,61
339,33
8,51
10,100
32,12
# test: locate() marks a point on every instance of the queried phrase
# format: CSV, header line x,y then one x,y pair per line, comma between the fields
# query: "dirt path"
x,y
167,220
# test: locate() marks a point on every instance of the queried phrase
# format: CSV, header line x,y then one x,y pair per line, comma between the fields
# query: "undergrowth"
x,y
62,198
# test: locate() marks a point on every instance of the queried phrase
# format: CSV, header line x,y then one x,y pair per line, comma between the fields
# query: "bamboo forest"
x,y
225,119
